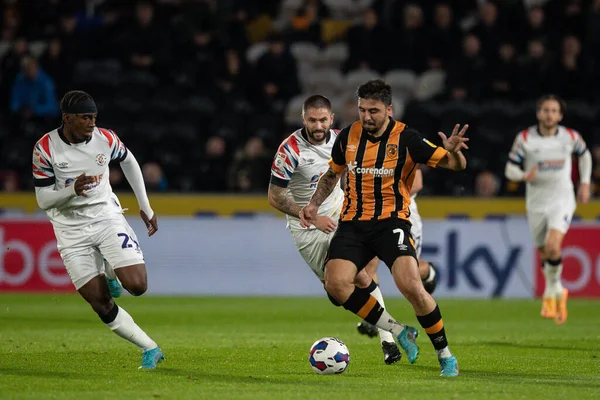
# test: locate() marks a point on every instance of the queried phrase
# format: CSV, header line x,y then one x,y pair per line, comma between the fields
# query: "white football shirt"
x,y
298,165
57,163
553,156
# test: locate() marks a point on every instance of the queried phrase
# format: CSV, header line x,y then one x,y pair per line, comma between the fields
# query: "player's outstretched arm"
x,y
454,160
133,174
281,202
327,183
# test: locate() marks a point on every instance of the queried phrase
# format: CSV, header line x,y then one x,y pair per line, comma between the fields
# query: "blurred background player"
x,y
301,160
71,175
374,153
541,156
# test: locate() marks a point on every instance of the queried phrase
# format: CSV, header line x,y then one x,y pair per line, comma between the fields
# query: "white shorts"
x,y
313,245
416,232
540,222
84,249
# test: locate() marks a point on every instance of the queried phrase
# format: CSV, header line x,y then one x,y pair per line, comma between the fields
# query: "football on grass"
x,y
328,356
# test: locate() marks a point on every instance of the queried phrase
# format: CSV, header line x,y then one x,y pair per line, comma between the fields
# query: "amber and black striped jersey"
x,y
380,170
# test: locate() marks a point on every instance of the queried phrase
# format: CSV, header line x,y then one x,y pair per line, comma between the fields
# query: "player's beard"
x,y
372,128
317,136
549,126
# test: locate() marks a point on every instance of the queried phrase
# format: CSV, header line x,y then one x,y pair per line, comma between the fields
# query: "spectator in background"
x,y
203,57
569,74
489,31
11,21
534,71
567,16
212,166
57,64
143,42
10,65
504,73
443,39
233,78
347,115
154,178
33,94
117,179
536,28
411,39
72,40
250,166
367,44
305,26
592,39
237,37
276,72
9,181
466,75
487,184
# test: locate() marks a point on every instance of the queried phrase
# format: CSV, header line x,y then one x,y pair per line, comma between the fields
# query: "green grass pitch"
x,y
54,347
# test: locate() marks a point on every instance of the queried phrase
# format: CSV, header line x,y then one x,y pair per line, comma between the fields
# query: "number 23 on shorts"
x,y
126,239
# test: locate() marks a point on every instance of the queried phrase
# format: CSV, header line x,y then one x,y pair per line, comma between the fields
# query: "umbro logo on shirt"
x,y
63,165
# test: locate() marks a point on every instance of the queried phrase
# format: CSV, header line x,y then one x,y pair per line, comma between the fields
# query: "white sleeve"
x,y
585,167
133,174
48,198
513,172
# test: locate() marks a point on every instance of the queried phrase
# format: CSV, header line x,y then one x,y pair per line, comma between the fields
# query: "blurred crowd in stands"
x,y
203,91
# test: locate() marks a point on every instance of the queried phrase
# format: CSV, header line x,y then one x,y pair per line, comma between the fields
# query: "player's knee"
x,y
103,306
339,290
137,288
363,279
333,300
552,251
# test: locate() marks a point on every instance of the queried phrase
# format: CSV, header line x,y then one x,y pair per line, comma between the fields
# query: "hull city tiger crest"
x,y
391,150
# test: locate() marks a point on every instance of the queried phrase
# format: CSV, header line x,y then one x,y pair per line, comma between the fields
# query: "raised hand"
x,y
456,142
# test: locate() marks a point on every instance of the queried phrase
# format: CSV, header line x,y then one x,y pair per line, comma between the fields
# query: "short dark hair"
x,y
316,101
72,98
375,89
548,97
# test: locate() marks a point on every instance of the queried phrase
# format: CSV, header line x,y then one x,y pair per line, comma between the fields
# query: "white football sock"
x,y
388,323
553,274
124,326
444,353
431,275
384,336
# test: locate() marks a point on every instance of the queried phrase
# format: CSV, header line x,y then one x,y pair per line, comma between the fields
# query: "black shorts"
x,y
360,241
